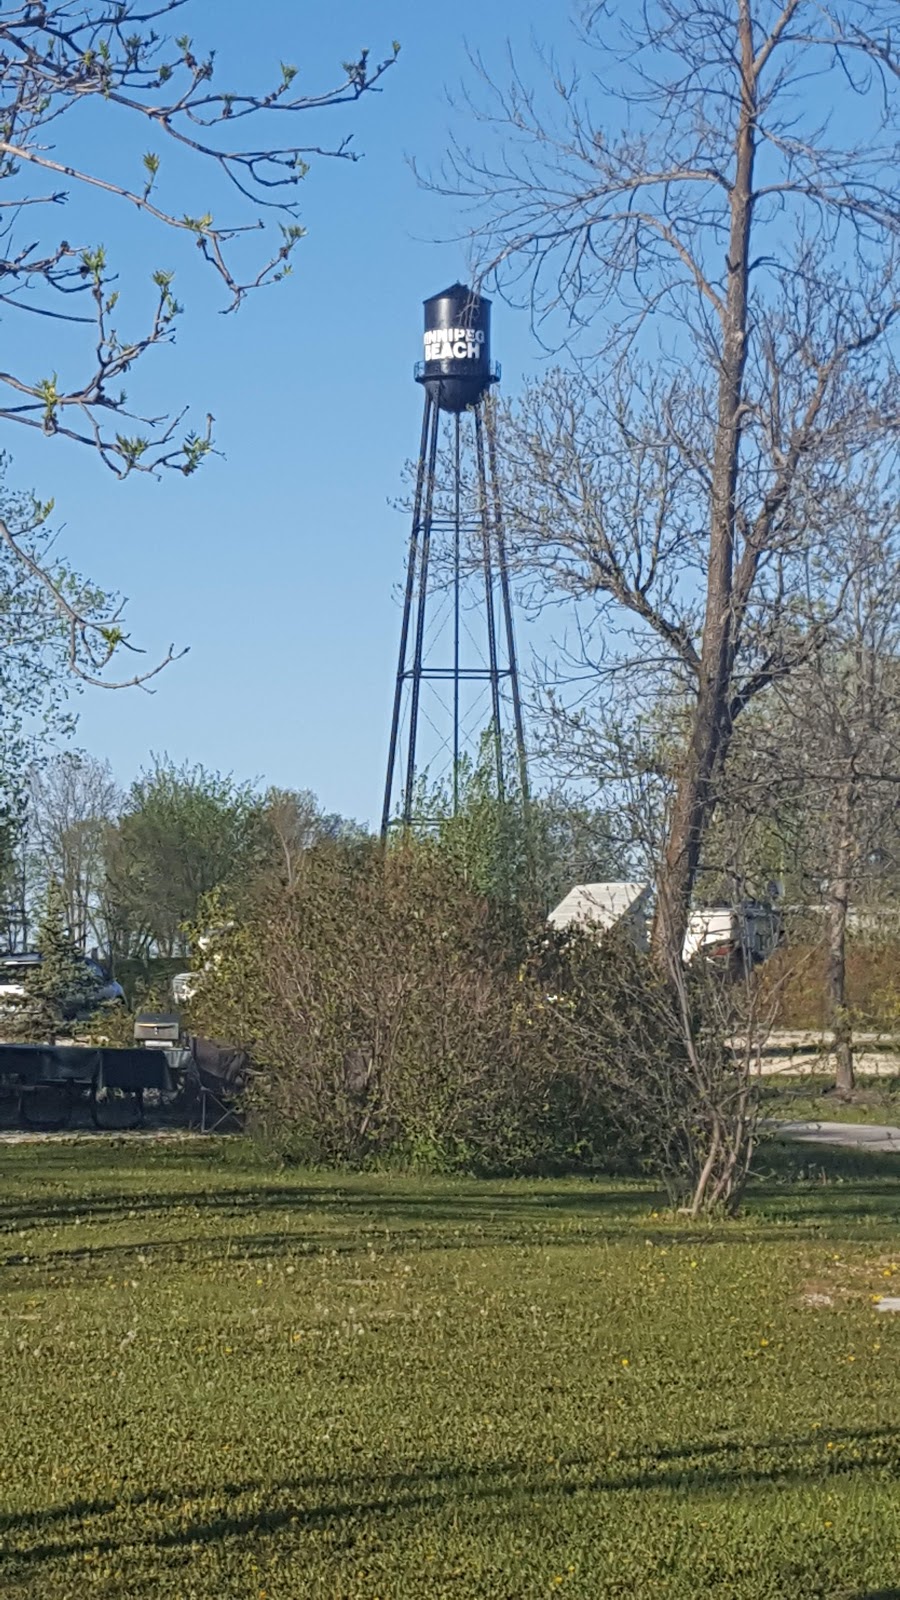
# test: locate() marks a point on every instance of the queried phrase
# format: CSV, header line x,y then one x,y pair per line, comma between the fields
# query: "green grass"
x,y
806,1099
221,1382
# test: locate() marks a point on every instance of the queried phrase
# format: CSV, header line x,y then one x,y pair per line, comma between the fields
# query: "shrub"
x,y
395,1014
658,1054
795,980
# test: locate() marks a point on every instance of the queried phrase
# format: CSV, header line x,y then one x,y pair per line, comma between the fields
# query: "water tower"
x,y
457,643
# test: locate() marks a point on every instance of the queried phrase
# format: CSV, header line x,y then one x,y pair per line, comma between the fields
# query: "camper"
x,y
604,906
735,937
739,937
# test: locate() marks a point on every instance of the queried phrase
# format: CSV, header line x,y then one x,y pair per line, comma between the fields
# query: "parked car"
x,y
184,984
183,987
14,971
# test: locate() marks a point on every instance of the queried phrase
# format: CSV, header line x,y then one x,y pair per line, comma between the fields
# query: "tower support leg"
x,y
411,565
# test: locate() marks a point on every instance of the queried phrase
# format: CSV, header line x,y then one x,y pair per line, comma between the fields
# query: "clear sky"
x,y
278,565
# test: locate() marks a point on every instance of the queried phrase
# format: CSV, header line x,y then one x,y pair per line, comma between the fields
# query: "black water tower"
x,y
457,370
457,642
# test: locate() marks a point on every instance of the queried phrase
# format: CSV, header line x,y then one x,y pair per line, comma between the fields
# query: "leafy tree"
x,y
39,648
508,850
37,644
183,832
14,874
83,316
573,842
484,835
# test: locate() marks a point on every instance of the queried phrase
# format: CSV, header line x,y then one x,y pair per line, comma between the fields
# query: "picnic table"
x,y
103,1072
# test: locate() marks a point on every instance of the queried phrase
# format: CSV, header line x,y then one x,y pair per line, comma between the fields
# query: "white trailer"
x,y
603,906
737,936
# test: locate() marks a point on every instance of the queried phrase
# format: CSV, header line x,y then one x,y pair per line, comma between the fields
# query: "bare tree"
x,y
837,743
724,267
808,795
72,802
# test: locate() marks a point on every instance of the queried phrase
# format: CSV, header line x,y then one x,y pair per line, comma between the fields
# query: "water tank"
x,y
457,368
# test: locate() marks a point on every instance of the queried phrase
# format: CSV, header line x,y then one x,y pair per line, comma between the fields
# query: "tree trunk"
x,y
686,831
695,800
836,977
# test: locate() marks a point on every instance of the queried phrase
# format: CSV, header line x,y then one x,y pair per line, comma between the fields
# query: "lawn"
x,y
224,1382
812,1099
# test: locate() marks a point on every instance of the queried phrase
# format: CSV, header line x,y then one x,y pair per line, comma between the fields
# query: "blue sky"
x,y
278,564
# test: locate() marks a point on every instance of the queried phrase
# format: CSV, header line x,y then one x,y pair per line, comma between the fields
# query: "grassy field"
x,y
221,1382
810,1099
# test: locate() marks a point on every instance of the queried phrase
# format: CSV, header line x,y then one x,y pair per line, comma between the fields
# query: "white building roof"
x,y
599,905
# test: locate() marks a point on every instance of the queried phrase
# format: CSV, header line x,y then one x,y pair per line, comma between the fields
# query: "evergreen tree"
x,y
61,986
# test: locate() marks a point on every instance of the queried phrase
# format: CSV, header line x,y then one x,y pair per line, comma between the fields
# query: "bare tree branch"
x,y
54,58
720,259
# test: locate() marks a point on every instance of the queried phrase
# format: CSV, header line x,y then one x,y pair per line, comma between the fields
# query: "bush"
x,y
793,981
395,1015
678,1098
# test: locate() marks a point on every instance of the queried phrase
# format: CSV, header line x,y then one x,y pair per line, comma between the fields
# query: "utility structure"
x,y
456,636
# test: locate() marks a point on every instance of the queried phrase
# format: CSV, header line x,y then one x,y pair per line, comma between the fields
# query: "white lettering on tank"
x,y
453,344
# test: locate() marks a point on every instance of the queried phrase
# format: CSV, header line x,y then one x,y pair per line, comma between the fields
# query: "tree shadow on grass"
x,y
469,1203
98,1260
83,1264
394,1235
861,1198
349,1499
798,1194
824,1163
